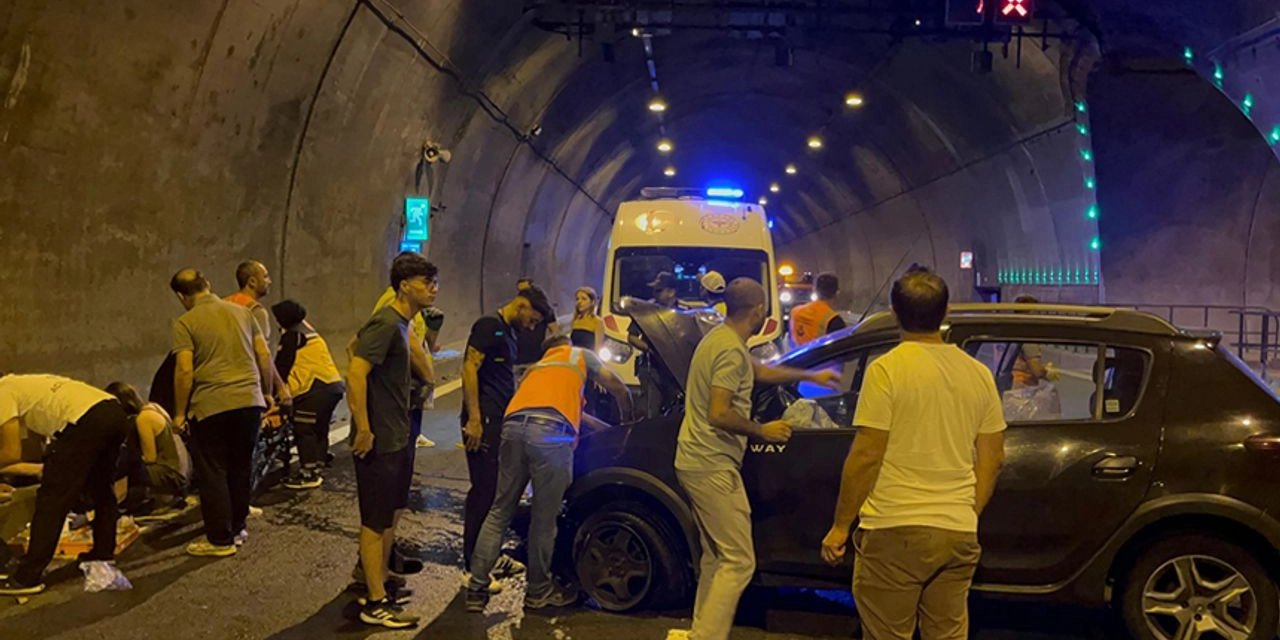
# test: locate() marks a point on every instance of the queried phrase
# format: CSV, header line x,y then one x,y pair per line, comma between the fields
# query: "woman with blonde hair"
x,y
587,329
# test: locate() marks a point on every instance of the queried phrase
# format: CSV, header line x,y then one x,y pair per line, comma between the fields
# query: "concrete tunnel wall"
x,y
137,139
141,138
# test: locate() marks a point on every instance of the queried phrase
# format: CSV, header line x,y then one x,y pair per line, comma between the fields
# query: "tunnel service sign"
x,y
417,214
966,260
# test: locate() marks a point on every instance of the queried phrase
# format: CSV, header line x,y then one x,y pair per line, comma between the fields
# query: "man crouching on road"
x,y
538,437
713,438
921,469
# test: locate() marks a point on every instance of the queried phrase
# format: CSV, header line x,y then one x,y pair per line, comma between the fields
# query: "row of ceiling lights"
x,y
665,146
853,100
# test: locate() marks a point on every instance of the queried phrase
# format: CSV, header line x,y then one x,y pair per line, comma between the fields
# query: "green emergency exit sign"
x,y
417,216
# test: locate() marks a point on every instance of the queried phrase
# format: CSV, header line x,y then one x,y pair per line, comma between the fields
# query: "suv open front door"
x,y
793,487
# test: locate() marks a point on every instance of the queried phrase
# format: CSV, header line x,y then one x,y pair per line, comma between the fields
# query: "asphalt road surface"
x,y
290,579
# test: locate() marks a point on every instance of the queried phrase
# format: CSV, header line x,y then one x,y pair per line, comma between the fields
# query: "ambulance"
x,y
681,234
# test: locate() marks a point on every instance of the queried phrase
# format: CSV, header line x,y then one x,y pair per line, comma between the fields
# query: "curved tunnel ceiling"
x,y
147,138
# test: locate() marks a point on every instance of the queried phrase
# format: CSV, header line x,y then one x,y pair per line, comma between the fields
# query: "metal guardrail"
x,y
1249,329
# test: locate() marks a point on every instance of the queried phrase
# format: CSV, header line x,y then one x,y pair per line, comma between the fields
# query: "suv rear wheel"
x,y
1189,587
627,556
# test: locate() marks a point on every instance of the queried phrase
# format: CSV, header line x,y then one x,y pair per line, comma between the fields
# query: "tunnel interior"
x,y
1117,151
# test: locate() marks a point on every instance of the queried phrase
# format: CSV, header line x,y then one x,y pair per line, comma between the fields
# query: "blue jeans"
x,y
537,448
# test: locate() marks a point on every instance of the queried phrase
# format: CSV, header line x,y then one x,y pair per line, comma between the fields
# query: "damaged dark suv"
x,y
1141,472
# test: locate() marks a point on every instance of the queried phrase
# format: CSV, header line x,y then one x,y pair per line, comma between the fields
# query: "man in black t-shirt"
x,y
378,380
488,382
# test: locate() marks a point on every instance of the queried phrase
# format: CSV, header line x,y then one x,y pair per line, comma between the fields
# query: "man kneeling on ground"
x,y
538,437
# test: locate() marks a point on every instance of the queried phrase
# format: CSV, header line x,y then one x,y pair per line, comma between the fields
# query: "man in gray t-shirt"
x,y
713,437
222,376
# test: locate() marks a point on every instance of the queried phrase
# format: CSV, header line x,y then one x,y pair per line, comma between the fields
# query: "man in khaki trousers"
x,y
924,463
713,437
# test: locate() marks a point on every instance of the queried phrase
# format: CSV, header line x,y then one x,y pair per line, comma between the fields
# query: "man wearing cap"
x,y
664,295
713,291
316,385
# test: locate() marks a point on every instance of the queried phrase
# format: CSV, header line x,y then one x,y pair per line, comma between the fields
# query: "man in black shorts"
x,y
378,383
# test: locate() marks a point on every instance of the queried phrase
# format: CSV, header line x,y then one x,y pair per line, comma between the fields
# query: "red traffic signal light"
x,y
1014,11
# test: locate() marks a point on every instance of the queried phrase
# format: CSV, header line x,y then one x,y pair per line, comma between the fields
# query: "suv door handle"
x,y
1114,467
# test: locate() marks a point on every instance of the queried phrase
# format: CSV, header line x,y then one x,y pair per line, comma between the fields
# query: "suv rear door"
x,y
1074,470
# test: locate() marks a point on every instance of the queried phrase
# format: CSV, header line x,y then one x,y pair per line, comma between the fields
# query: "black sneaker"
x,y
404,564
556,598
393,581
304,480
11,587
397,597
384,614
477,600
506,567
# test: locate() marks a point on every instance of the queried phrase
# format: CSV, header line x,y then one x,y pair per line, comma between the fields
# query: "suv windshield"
x,y
636,267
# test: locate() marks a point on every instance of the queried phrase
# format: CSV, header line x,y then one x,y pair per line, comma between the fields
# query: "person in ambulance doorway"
x,y
539,433
818,318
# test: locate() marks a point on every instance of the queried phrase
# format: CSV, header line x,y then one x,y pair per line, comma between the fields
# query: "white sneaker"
x,y
495,587
424,442
242,537
678,634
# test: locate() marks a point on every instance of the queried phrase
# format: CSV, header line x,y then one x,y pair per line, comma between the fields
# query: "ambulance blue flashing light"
x,y
724,192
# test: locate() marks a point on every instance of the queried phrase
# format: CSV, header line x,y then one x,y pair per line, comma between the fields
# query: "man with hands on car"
x,y
713,438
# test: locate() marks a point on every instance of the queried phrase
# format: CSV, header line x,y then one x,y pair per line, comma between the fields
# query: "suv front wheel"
x,y
627,557
1189,587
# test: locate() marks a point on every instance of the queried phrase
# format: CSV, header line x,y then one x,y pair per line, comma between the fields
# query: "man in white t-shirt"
x,y
85,427
922,468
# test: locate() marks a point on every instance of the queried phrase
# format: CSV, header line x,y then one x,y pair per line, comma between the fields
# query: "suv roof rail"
x,y
1110,317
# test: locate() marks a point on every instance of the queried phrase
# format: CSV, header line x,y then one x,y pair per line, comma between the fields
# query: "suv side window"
x,y
851,367
1054,382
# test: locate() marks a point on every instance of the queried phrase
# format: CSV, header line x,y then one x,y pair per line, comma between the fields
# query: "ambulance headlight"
x,y
614,351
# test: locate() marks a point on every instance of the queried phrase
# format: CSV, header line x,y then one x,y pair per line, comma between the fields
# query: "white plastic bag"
x,y
806,414
1040,402
100,575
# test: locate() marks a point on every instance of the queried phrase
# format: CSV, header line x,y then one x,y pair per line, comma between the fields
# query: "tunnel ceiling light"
x,y
1081,107
1082,128
1090,183
666,146
1218,74
918,22
657,104
814,142
1092,212
853,99
1246,105
763,201
1086,155
1188,55
775,188
1274,136
1095,243
791,169
669,172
